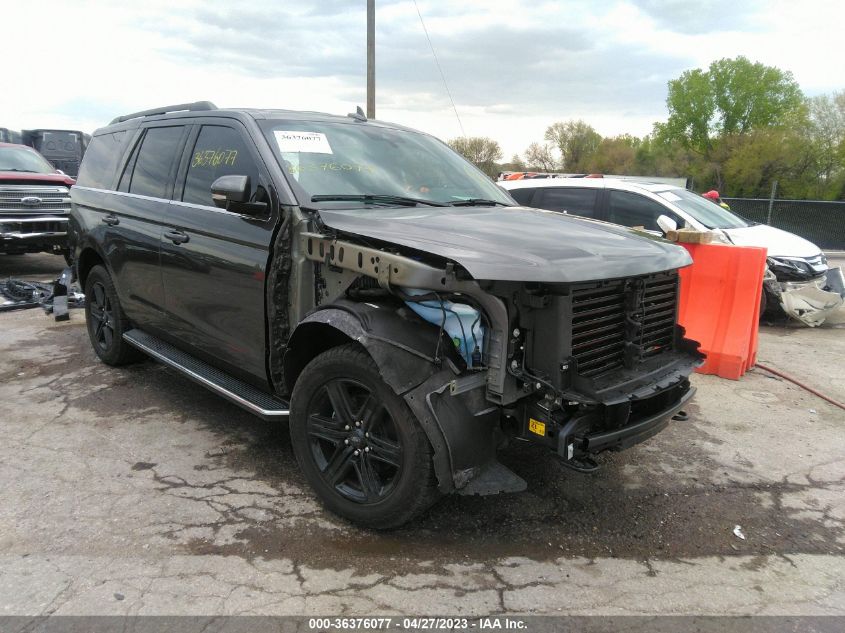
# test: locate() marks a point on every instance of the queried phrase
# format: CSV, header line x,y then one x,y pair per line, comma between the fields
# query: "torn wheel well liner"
x,y
404,353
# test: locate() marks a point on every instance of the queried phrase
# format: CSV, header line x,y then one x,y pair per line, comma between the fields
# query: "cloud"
x,y
556,67
512,67
268,42
702,16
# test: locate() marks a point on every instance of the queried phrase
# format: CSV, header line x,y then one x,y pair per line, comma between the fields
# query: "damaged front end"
x,y
579,368
605,363
806,290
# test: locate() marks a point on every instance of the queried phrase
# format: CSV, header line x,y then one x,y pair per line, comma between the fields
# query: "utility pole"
x,y
371,59
771,202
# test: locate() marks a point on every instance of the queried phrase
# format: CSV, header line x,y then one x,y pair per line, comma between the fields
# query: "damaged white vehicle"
x,y
797,277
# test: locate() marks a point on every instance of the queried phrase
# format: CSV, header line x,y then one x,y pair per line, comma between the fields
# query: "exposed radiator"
x,y
623,322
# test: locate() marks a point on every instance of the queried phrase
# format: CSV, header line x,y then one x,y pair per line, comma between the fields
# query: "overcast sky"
x,y
513,68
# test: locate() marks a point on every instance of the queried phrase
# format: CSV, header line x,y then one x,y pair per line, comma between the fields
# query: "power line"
x,y
442,76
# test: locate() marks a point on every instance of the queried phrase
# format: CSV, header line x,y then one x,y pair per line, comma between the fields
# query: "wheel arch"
x,y
87,259
309,340
402,350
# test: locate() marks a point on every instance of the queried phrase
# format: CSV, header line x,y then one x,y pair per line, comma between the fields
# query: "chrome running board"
x,y
241,393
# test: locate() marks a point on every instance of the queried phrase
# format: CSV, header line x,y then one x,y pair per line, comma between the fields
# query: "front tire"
x,y
106,321
358,444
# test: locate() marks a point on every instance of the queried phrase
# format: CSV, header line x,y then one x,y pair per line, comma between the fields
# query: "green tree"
x,y
616,155
481,151
724,110
658,156
576,141
734,96
827,137
754,161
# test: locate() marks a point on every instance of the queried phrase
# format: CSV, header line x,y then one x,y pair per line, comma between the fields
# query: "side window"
x,y
219,151
100,160
631,209
574,200
522,196
155,161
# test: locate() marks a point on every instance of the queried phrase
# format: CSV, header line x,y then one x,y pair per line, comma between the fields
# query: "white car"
x,y
797,278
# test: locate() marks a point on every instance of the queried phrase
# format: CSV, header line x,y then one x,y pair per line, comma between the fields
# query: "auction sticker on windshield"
x,y
296,141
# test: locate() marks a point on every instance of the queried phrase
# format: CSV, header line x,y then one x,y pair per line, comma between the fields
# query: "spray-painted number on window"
x,y
215,158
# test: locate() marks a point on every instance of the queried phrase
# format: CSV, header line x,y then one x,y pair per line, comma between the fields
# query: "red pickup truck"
x,y
34,202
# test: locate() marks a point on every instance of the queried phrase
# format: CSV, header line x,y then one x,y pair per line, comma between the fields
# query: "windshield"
x,y
708,213
23,159
345,160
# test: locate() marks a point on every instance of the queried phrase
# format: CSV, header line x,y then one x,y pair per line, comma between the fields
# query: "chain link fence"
x,y
821,222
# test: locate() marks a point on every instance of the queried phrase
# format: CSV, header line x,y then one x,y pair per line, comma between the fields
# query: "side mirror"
x,y
666,224
229,189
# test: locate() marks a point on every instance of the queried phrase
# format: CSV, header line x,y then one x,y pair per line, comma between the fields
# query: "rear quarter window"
x,y
100,161
522,196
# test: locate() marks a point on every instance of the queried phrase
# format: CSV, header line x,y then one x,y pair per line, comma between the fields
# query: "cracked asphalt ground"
x,y
134,491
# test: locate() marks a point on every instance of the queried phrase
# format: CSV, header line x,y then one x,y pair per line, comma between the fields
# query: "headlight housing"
x,y
790,269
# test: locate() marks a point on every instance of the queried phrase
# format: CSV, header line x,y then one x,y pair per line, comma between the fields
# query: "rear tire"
x,y
106,321
358,444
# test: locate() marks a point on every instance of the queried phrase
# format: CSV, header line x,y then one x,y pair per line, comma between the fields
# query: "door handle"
x,y
177,237
111,219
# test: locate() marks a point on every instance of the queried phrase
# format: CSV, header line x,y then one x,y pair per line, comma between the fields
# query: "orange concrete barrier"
x,y
720,305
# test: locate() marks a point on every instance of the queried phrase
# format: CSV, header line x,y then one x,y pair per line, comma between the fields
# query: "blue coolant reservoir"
x,y
462,324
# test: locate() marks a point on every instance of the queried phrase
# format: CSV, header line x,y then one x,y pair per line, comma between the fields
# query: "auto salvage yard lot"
x,y
134,491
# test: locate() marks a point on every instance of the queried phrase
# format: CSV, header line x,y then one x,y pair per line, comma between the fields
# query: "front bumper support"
x,y
631,434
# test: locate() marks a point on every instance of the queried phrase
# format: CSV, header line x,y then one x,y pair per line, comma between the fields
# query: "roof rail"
x,y
192,107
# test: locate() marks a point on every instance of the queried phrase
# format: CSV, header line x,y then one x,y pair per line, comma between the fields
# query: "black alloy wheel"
x,y
106,320
102,317
358,443
354,441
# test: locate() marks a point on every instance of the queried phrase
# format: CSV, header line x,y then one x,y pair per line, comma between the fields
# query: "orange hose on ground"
x,y
801,384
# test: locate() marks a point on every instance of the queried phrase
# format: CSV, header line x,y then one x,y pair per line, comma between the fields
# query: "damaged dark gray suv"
x,y
364,281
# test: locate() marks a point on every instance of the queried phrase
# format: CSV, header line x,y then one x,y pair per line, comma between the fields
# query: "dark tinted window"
x,y
155,161
631,209
101,159
219,151
572,200
522,196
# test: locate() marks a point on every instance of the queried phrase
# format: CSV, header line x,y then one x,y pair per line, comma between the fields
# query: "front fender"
x,y
403,348
459,424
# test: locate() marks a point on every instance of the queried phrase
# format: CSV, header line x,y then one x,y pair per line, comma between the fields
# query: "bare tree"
x,y
541,156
